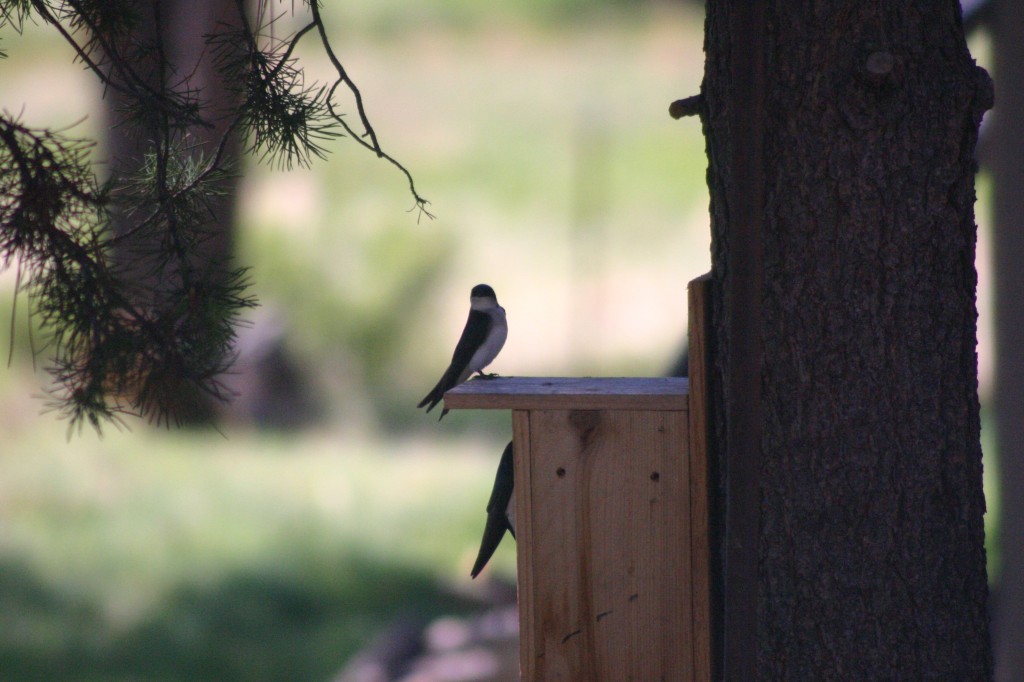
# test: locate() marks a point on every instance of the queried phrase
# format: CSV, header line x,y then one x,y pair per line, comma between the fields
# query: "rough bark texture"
x,y
1007,152
870,560
736,44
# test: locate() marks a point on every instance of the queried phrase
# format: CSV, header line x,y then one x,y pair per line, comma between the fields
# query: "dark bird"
x,y
481,341
500,512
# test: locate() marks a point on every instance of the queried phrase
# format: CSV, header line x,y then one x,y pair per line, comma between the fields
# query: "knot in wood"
x,y
584,423
880,69
984,91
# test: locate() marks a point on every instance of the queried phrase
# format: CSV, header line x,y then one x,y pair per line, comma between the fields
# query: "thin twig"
x,y
314,6
373,145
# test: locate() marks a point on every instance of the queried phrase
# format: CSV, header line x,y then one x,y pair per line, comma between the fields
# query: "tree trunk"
x,y
184,26
1007,151
841,138
181,28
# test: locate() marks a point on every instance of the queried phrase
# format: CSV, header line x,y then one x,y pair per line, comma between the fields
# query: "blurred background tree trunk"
x,y
841,143
1006,159
180,28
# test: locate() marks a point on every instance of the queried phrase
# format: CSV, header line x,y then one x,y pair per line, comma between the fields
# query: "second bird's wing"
x,y
497,507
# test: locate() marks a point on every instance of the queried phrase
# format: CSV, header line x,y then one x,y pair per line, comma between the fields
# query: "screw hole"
x,y
655,476
560,472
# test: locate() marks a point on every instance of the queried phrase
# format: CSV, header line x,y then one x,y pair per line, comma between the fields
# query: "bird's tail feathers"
x,y
430,398
448,380
493,532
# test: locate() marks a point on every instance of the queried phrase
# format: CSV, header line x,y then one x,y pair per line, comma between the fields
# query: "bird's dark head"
x,y
482,298
483,291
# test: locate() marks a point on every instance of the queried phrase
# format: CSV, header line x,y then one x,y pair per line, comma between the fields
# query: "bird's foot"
x,y
492,375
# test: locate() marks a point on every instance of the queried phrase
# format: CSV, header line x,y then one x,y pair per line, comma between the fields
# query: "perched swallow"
x,y
482,339
500,512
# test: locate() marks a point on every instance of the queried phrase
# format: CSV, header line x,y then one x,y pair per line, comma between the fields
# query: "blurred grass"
x,y
189,556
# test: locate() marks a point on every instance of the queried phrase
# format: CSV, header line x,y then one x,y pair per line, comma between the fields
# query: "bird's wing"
x,y
478,326
497,521
504,483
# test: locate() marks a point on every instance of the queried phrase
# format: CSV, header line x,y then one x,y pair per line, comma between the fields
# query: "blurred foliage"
x,y
247,626
395,18
354,332
260,560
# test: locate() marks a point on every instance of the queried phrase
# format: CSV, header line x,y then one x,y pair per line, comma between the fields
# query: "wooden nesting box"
x,y
611,522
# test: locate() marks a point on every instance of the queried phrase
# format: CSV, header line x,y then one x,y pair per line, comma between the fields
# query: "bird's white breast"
x,y
492,345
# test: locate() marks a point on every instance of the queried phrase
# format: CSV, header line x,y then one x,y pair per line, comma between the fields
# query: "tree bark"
x,y
1006,151
840,144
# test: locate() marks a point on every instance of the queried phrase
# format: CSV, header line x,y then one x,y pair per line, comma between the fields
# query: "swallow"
x,y
481,341
500,512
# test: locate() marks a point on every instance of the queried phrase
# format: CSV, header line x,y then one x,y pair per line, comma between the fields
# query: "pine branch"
x,y
343,79
131,342
106,24
285,121
111,356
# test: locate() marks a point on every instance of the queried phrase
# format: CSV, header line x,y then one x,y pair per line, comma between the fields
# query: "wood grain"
x,y
575,393
525,520
604,554
700,567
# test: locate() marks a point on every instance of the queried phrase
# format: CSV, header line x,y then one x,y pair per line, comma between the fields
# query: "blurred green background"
x,y
540,133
